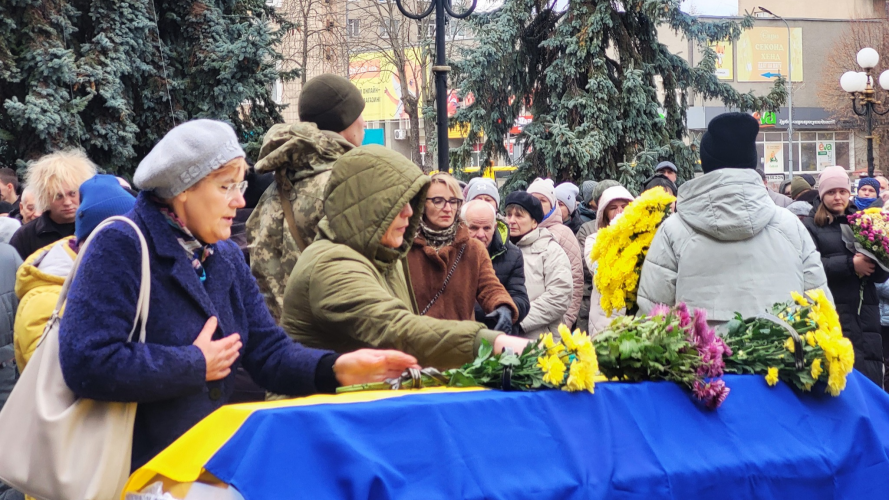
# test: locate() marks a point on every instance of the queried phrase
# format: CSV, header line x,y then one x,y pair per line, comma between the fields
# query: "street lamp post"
x,y
789,92
441,69
860,84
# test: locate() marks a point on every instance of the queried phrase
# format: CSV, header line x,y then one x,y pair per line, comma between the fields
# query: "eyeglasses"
x,y
230,189
439,202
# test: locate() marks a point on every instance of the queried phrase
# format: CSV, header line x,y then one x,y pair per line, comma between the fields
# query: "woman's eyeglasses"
x,y
439,202
230,189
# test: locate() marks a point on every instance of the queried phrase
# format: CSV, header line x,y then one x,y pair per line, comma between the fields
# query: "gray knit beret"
x,y
187,154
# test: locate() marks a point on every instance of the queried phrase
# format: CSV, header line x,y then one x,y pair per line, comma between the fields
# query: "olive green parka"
x,y
348,291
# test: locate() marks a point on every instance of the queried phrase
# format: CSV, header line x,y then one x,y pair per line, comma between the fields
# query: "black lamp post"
x,y
864,101
441,8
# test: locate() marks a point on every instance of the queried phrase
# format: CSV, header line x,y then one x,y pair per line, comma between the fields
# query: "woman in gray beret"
x,y
206,315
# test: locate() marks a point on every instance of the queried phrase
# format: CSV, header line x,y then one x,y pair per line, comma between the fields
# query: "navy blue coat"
x,y
166,375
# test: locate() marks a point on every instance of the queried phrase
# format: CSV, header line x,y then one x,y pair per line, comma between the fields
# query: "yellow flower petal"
x,y
772,376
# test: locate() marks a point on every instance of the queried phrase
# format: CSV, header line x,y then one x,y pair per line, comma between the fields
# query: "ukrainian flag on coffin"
x,y
646,440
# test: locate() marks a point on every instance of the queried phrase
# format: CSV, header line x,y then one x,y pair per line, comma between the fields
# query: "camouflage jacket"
x,y
301,156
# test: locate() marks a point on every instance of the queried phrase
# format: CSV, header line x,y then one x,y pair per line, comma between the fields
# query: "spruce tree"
x,y
101,75
588,74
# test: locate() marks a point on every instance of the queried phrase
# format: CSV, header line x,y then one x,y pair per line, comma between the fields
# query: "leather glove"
x,y
503,316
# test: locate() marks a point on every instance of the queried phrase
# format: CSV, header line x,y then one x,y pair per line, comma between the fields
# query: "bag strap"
x,y
447,279
284,195
144,289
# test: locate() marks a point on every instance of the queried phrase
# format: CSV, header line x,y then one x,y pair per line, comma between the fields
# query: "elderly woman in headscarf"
x,y
207,316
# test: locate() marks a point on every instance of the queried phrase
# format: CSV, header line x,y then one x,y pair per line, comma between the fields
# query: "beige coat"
x,y
563,235
548,280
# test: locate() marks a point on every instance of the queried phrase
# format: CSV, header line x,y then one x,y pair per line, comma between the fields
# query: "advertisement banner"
x,y
774,157
377,79
762,54
725,60
826,154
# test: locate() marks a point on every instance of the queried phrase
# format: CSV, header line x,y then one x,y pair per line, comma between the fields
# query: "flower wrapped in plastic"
x,y
569,364
800,343
669,344
621,247
868,233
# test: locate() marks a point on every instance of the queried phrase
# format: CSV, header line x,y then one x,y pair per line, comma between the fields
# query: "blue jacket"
x,y
166,375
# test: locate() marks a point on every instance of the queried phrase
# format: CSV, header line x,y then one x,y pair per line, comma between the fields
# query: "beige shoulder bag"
x,y
56,446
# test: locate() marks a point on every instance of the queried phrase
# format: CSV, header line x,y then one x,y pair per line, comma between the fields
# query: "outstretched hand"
x,y
503,318
365,366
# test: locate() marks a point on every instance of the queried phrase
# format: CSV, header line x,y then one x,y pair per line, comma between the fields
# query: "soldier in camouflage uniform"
x,y
301,156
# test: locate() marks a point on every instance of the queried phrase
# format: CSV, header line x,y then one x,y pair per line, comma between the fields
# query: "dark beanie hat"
x,y
730,142
870,181
331,102
659,180
528,202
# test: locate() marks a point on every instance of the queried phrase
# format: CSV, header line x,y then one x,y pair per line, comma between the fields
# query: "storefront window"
x,y
813,151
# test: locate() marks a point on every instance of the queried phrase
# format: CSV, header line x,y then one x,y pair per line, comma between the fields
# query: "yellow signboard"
x,y
725,61
762,54
375,75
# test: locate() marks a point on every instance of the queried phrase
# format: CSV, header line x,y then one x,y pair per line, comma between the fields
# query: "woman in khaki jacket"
x,y
351,287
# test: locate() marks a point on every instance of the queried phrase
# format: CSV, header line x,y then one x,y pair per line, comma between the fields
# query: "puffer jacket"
x,y
861,328
564,236
509,266
586,230
301,157
38,284
728,249
548,280
9,264
779,199
348,291
883,293
597,319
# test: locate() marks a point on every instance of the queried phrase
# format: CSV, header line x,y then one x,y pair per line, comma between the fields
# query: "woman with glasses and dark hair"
x,y
206,315
449,270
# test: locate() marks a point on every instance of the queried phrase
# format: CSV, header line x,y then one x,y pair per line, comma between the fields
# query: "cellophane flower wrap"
x,y
669,344
568,364
763,347
621,247
871,231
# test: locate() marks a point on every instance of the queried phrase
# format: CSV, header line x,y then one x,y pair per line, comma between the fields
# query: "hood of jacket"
x,y
537,239
48,266
500,241
367,189
300,147
729,204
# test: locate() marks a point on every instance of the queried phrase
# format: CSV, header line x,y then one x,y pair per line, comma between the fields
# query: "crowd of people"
x,y
329,263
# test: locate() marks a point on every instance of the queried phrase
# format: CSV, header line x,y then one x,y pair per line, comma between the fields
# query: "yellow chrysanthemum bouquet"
x,y
800,342
621,247
569,364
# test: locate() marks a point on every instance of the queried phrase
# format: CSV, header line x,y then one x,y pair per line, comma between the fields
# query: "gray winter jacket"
x,y
9,264
883,292
729,248
548,280
779,199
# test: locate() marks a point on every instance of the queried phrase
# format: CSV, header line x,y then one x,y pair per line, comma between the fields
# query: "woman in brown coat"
x,y
450,271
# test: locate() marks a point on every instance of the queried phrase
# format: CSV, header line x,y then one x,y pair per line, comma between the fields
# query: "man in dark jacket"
x,y
9,190
509,266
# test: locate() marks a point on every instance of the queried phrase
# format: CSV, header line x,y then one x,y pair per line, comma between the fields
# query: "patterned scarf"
x,y
438,238
197,252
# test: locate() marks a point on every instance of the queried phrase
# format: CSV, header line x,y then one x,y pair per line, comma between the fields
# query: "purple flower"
x,y
712,393
659,310
684,317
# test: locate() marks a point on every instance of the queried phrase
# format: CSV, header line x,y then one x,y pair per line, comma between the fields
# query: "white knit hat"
x,y
187,154
544,187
